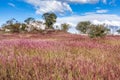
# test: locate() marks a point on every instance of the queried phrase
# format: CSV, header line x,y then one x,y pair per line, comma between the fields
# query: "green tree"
x,y
29,20
11,21
12,25
15,27
23,27
65,27
83,26
118,31
97,31
50,19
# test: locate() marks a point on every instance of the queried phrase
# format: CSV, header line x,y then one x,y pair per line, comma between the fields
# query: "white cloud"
x,y
84,1
11,4
60,6
107,22
113,19
98,11
49,6
102,11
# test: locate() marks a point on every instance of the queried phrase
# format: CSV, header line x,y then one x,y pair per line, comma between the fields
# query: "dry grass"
x,y
59,57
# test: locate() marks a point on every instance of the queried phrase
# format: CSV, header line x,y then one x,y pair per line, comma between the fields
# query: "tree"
x,y
118,31
12,25
11,21
23,27
97,31
29,20
15,27
65,27
83,26
50,19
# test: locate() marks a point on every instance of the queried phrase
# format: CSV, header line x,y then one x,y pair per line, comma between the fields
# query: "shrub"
x,y
118,31
97,31
65,27
83,26
12,27
15,27
23,27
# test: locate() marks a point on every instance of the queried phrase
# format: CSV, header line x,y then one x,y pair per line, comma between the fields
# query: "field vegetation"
x,y
59,56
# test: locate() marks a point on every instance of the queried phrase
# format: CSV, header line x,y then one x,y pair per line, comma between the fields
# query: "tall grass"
x,y
59,57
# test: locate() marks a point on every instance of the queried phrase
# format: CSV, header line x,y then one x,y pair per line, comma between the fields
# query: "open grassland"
x,y
59,57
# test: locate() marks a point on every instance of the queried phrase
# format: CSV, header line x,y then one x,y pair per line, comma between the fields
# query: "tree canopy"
x,y
50,19
97,31
118,31
28,20
83,26
65,27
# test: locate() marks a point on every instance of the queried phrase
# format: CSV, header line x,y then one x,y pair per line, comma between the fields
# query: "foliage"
x,y
118,31
92,30
15,27
29,20
83,26
11,21
50,19
97,31
65,27
23,27
12,25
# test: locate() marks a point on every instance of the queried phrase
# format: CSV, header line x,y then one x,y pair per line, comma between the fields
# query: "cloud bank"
x,y
58,6
109,19
49,6
102,11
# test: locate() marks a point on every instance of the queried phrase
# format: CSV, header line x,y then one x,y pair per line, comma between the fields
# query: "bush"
x,y
23,27
15,27
12,27
65,27
97,31
83,26
118,31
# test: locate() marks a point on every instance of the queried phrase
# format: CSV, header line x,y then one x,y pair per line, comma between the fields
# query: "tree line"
x,y
49,20
85,27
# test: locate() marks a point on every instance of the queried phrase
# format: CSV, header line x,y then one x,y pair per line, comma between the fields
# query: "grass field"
x,y
60,56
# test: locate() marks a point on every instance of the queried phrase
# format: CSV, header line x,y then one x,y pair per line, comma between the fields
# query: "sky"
x,y
68,11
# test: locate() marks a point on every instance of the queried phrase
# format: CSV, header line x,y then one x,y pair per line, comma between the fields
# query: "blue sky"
x,y
68,11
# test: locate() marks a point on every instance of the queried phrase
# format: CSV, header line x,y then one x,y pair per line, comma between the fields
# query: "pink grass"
x,y
59,57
